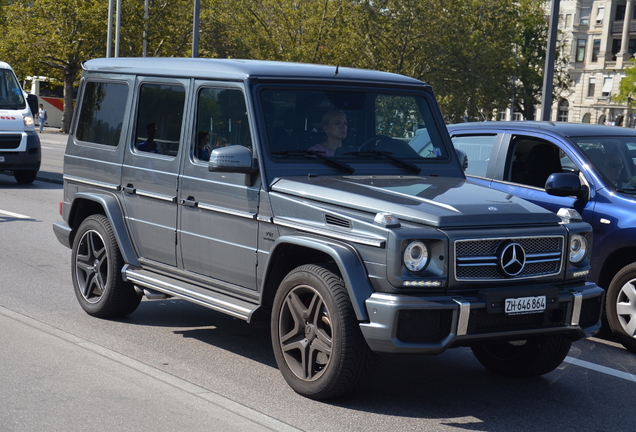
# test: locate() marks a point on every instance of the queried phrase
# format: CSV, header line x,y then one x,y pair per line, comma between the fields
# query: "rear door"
x,y
151,167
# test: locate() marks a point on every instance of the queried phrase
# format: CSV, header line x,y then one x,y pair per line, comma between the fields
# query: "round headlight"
x,y
416,256
578,248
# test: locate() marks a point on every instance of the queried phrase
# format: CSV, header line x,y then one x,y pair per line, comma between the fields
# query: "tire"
x,y
620,306
317,342
25,177
96,271
523,359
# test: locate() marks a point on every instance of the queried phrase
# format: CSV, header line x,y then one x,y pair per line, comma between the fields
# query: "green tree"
x,y
627,86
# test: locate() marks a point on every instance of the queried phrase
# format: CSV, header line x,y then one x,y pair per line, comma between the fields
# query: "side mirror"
x,y
237,159
32,100
566,184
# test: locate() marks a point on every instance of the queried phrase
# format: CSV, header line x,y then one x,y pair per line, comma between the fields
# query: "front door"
x,y
217,211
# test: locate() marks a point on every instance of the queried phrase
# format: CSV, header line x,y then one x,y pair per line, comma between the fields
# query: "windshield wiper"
x,y
342,166
387,155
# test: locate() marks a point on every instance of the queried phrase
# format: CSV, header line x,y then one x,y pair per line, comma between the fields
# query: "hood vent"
x,y
336,221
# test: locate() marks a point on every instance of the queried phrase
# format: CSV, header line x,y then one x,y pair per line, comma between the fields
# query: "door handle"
x,y
129,189
189,202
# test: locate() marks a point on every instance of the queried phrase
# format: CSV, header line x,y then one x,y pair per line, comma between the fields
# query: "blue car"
x,y
587,168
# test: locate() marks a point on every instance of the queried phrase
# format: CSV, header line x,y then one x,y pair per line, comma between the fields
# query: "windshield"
x,y
10,91
350,126
614,158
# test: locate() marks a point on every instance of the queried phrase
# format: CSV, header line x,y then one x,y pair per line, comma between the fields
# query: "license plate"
x,y
1,158
525,305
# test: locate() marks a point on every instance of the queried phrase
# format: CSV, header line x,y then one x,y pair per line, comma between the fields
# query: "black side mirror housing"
x,y
566,184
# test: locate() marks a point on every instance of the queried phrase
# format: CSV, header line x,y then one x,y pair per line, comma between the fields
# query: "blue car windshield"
x,y
350,125
613,157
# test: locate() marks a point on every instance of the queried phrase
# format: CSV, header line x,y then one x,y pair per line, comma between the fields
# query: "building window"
x,y
596,47
586,118
564,107
591,87
584,19
632,46
620,13
616,48
580,49
600,14
601,119
608,82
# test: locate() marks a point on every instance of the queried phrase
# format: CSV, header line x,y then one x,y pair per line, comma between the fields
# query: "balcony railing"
x,y
617,26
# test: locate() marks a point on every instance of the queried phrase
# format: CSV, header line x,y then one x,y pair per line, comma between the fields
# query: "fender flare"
x,y
115,215
349,262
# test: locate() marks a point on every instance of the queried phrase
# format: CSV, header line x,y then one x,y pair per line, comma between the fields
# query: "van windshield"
x,y
350,125
10,92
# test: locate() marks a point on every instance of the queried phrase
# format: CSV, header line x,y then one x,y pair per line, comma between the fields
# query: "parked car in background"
x,y
540,161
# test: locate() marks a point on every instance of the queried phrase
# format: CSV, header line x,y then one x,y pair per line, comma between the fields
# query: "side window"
x,y
534,160
478,149
221,121
159,118
102,112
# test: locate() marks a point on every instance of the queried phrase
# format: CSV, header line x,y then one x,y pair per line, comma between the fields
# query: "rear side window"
x,y
102,113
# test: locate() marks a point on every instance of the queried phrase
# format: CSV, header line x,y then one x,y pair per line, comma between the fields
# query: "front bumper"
x,y
430,325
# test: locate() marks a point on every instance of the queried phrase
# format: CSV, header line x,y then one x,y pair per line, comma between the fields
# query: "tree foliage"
x,y
479,55
627,86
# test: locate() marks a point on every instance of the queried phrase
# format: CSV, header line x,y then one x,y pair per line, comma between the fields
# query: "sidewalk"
x,y
54,381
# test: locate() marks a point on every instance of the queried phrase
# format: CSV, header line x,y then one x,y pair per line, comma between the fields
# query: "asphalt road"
x,y
173,365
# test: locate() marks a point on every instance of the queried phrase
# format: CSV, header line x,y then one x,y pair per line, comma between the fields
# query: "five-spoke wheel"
x,y
317,342
97,263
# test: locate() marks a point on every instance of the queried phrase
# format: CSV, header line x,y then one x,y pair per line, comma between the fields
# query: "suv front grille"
x,y
480,259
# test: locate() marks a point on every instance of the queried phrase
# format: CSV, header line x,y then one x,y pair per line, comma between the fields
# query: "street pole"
x,y
146,16
548,76
195,29
117,26
109,42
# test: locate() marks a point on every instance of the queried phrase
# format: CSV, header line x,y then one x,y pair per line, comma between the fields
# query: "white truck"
x,y
20,150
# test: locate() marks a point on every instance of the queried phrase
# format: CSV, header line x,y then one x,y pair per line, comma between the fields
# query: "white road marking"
x,y
15,215
601,369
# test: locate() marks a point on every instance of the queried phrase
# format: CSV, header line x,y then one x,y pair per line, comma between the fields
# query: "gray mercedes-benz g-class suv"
x,y
329,200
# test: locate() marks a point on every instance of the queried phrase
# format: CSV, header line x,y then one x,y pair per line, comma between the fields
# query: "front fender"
x,y
115,215
349,262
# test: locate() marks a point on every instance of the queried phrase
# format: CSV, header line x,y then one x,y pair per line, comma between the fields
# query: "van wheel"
x,y
524,358
620,306
97,279
25,177
317,342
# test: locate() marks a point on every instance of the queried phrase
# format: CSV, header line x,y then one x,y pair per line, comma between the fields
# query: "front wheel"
x,y
524,358
621,306
317,342
25,177
96,271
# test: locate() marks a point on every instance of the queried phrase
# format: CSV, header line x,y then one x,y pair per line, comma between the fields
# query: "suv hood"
x,y
440,202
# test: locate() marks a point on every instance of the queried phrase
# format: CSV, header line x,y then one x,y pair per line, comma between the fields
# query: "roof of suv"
x,y
560,128
236,69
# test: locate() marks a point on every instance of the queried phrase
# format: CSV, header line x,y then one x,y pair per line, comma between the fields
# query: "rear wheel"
x,y
524,358
97,279
317,342
25,177
621,306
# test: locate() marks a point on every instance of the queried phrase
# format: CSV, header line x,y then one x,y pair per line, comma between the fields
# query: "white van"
x,y
19,143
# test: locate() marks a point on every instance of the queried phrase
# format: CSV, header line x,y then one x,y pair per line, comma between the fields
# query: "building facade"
x,y
601,38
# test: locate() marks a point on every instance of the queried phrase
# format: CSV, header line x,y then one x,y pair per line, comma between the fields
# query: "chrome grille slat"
x,y
476,259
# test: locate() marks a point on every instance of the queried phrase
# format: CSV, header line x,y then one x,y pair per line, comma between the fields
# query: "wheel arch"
x,y
290,252
613,263
86,204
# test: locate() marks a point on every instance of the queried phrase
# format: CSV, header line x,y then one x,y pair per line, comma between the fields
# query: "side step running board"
x,y
220,302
